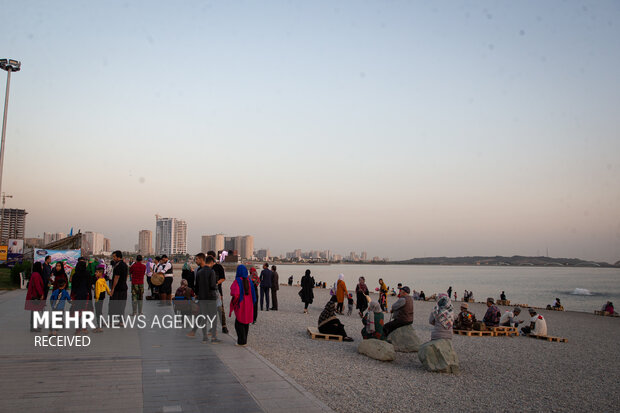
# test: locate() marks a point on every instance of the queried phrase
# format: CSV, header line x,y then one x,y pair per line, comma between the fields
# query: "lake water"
x,y
579,289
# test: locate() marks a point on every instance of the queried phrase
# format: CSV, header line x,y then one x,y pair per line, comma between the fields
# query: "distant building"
x,y
92,243
170,236
336,257
13,224
246,249
262,255
364,256
212,243
48,237
145,242
33,242
107,245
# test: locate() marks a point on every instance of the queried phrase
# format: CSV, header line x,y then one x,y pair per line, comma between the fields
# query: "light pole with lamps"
x,y
9,65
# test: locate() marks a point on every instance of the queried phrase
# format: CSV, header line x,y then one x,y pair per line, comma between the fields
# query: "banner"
x,y
67,257
16,251
3,253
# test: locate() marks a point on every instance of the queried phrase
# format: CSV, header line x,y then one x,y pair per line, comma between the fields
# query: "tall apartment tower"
x,y
212,243
246,249
93,243
170,236
13,224
145,242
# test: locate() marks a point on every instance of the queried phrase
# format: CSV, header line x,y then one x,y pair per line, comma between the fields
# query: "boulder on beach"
x,y
405,340
377,349
439,356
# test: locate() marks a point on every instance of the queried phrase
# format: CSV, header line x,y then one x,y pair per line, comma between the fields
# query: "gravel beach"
x,y
497,373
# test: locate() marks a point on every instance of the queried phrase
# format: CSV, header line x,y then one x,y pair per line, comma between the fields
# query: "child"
x,y
100,289
350,302
57,300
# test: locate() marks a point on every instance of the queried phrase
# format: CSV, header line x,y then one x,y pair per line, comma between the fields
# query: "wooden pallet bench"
x,y
504,331
503,302
473,333
316,335
606,314
549,338
521,305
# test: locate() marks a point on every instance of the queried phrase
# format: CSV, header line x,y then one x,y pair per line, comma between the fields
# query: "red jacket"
x,y
34,296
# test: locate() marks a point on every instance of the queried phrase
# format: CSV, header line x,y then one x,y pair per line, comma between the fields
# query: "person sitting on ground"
x,y
609,307
329,323
493,315
373,322
557,303
538,325
509,318
402,312
422,296
442,317
502,296
465,319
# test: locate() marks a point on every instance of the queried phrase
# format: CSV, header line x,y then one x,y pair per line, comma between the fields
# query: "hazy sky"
x,y
404,129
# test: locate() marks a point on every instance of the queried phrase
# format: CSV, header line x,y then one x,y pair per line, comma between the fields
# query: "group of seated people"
x,y
609,307
466,320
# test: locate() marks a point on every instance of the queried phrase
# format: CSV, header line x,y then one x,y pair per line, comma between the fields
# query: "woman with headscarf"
x,y
361,291
80,290
183,298
306,293
188,274
373,322
383,290
255,283
329,323
442,317
59,274
35,299
242,303
341,293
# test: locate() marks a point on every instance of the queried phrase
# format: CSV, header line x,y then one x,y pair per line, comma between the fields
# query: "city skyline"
x,y
402,129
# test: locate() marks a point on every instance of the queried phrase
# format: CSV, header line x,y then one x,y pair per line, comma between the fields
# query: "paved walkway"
x,y
149,370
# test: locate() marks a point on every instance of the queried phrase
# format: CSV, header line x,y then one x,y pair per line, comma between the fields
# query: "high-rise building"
x,y
364,256
246,249
13,224
262,254
107,245
145,242
229,243
170,236
49,237
212,243
92,243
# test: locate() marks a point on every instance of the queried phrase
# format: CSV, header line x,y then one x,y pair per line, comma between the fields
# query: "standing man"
x,y
47,273
221,277
118,299
275,286
137,271
165,290
206,280
265,285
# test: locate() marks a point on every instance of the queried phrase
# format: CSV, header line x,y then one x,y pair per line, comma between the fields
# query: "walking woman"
x,y
255,283
35,300
80,291
361,291
341,293
188,274
242,303
306,293
383,290
329,323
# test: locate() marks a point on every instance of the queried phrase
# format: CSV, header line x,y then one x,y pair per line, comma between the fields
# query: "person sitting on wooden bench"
x,y
493,315
402,311
329,323
609,308
465,319
509,318
502,296
538,325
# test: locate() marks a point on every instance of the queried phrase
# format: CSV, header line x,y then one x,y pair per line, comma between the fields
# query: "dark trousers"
x,y
255,303
339,307
264,292
274,298
242,332
118,301
306,306
526,330
98,312
334,327
393,325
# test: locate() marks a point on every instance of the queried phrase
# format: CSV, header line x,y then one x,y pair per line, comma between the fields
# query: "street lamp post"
x,y
9,65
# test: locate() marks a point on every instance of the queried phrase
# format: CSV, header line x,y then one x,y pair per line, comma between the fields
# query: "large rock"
x,y
377,349
405,340
439,356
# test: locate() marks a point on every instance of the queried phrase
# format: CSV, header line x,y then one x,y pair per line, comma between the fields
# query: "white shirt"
x,y
165,267
540,325
507,316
